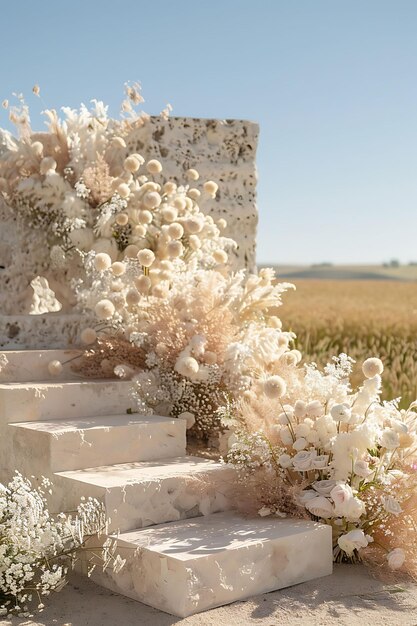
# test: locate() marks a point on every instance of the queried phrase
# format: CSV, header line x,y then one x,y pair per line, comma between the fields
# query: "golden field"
x,y
362,318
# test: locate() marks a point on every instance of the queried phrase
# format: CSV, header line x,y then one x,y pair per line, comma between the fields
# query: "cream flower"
x,y
274,387
396,558
320,507
353,540
372,367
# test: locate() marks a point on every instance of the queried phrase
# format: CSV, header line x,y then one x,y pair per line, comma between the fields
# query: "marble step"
x,y
190,566
25,402
142,494
32,365
42,448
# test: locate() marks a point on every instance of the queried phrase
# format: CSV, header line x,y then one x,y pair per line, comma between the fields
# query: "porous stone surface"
x,y
136,495
222,150
59,445
50,330
32,365
193,565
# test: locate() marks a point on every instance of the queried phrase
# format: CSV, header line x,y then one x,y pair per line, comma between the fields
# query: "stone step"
x,y
26,402
32,365
42,448
190,566
143,494
48,330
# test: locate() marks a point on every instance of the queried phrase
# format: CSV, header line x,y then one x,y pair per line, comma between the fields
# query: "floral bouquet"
x,y
342,458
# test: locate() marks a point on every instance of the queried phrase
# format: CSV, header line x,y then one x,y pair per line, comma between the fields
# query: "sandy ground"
x,y
349,597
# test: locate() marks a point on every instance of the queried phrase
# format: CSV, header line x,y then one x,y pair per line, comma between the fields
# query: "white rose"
x,y
306,496
320,507
285,460
391,505
390,439
399,426
324,487
321,462
361,468
353,509
341,413
353,540
300,444
396,558
340,494
303,461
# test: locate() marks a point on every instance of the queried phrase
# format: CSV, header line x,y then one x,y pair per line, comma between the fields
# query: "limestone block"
x,y
26,402
193,565
50,330
32,365
142,494
41,448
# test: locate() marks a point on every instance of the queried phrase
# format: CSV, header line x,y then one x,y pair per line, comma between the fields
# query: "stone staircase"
x,y
185,550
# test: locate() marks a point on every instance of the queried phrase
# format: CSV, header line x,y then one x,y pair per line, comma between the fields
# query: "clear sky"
x,y
331,82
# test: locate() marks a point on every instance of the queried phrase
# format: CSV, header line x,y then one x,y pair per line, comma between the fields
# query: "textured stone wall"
x,y
222,150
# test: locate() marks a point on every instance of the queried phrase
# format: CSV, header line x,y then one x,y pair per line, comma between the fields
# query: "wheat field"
x,y
361,318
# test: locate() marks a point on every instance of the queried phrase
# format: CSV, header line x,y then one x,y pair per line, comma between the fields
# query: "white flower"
x,y
396,558
104,309
192,174
321,462
284,460
102,261
274,387
353,540
285,436
320,507
55,367
361,468
306,495
304,461
353,509
186,366
324,487
341,413
391,505
314,409
211,188
154,166
390,439
300,444
372,367
146,257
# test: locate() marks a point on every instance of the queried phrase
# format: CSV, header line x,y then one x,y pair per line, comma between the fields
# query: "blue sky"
x,y
332,84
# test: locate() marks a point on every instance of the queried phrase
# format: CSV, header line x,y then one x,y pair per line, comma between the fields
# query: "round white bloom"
x,y
169,213
118,142
194,224
283,419
324,487
152,200
285,460
353,540
123,190
160,290
396,558
220,256
180,203
131,251
143,284
361,468
88,336
175,248
144,218
188,417
47,164
146,257
170,187
274,387
285,436
372,367
341,413
102,261
302,430
390,439
222,223
313,437
122,219
132,164
340,494
186,366
133,297
118,268
320,507
55,367
192,174
37,148
314,409
194,194
391,505
175,230
195,242
154,166
304,461
354,509
211,188
104,309
300,409
300,444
